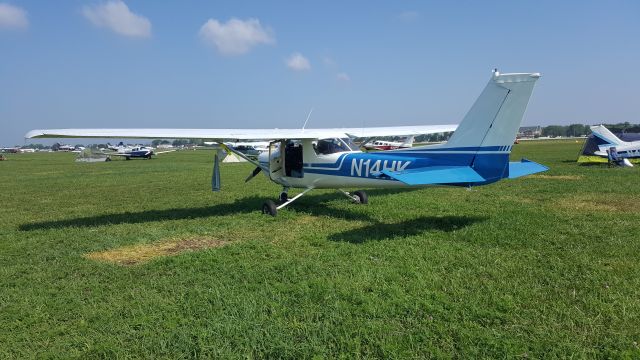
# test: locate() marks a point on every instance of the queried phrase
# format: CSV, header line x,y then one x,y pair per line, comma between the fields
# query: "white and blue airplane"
x,y
606,141
476,154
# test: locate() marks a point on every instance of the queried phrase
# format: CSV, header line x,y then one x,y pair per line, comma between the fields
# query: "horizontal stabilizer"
x,y
436,175
525,167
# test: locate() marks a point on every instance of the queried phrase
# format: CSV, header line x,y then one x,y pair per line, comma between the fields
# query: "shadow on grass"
x,y
244,205
381,231
240,206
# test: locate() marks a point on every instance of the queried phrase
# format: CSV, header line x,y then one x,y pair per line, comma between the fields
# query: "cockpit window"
x,y
332,146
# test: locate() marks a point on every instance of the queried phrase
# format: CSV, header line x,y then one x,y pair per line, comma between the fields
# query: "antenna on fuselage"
x,y
308,116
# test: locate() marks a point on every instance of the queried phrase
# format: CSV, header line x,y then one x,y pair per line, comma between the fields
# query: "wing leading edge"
x,y
240,134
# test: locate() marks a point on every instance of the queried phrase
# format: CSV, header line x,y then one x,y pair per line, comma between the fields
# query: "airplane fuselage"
x,y
628,150
348,169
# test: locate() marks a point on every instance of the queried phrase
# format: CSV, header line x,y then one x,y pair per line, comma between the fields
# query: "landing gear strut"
x,y
270,208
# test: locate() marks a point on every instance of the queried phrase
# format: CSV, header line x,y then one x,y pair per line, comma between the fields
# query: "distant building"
x,y
529,131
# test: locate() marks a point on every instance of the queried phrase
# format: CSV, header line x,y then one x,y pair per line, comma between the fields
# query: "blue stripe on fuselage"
x,y
489,162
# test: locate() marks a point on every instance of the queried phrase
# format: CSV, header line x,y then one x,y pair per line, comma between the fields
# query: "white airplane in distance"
x,y
606,140
137,152
389,145
476,154
251,148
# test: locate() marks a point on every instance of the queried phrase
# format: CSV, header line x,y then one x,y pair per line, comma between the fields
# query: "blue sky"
x,y
185,64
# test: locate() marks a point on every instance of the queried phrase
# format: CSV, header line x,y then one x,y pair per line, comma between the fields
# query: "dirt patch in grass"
x,y
138,254
599,202
557,177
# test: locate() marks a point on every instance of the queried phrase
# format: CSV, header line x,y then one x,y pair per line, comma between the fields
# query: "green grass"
x,y
544,266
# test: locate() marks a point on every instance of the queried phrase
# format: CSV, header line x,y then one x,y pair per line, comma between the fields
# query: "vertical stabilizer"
x,y
490,127
407,142
496,115
604,134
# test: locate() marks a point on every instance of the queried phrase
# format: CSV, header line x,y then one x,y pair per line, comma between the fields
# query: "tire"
x,y
127,157
362,197
269,208
284,197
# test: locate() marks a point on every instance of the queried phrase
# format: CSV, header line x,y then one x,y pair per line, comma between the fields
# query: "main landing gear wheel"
x,y
269,208
361,197
283,197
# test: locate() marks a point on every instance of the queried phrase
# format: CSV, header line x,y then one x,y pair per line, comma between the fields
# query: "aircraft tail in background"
x,y
605,135
407,142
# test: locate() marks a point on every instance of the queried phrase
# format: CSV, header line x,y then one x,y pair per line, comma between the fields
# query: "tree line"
x,y
583,130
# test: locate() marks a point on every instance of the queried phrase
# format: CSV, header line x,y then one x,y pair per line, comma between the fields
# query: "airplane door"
x,y
276,160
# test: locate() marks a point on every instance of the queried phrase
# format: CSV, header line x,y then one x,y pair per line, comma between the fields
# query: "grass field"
x,y
139,259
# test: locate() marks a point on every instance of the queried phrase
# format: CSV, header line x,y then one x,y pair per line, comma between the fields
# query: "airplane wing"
x,y
240,134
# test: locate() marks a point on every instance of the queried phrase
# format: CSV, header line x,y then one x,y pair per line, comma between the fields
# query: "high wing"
x,y
240,134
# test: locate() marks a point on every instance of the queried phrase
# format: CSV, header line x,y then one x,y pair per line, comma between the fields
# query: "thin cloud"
x,y
235,37
297,62
116,16
13,17
328,61
343,77
408,16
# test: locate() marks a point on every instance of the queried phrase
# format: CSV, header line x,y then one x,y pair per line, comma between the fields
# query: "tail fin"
x,y
489,129
407,142
496,115
604,134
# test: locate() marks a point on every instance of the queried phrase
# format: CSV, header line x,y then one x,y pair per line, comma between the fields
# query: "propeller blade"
x,y
255,172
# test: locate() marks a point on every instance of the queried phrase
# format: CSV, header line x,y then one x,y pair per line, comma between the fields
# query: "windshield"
x,y
332,146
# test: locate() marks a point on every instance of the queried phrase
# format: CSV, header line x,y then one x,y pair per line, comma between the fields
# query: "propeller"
x,y
255,172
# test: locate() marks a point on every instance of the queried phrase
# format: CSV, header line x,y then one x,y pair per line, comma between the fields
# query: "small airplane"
x,y
476,154
607,143
64,147
252,148
388,145
116,147
137,152
13,150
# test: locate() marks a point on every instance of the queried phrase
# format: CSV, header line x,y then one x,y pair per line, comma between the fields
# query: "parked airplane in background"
x,y
139,152
17,150
389,145
476,154
13,150
252,148
64,147
116,147
607,142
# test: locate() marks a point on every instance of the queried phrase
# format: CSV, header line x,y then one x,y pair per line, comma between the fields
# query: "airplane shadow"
x,y
313,203
244,205
239,206
382,231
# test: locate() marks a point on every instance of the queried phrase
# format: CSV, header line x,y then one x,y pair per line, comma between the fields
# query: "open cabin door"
x,y
293,162
276,159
